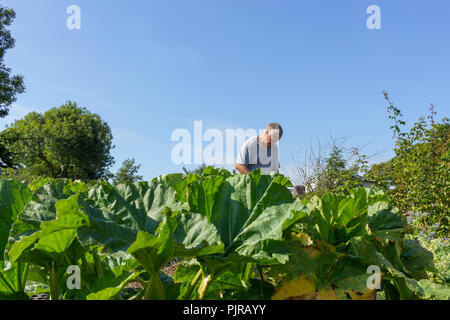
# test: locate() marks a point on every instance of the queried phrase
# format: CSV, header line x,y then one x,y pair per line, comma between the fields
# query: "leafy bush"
x,y
440,247
349,234
417,178
127,173
331,167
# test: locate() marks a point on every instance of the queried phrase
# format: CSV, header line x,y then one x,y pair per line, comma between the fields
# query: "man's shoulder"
x,y
251,142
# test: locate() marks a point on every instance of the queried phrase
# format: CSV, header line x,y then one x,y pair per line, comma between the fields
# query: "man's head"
x,y
273,133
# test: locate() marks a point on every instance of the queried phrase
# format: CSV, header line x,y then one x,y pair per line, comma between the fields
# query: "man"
x,y
261,152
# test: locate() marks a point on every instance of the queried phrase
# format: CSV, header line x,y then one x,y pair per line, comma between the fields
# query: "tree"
x,y
10,86
382,169
331,167
420,170
127,173
198,170
329,179
381,174
338,175
208,169
5,158
64,142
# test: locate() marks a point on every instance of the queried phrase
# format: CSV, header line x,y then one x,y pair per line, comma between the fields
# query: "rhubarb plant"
x,y
13,198
250,213
237,237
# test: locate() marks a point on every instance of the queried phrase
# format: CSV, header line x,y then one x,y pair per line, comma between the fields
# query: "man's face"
x,y
272,137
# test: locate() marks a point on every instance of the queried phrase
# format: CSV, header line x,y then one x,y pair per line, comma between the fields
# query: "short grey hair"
x,y
275,126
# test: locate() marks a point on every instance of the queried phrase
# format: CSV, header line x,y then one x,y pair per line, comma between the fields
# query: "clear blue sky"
x,y
150,67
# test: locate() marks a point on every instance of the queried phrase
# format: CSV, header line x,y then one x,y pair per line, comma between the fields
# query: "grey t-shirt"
x,y
255,155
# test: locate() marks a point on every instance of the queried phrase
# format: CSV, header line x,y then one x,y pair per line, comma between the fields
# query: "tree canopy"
x,y
419,173
10,85
127,173
64,142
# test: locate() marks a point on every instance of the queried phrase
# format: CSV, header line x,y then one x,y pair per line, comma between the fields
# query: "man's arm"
x,y
242,168
242,160
275,161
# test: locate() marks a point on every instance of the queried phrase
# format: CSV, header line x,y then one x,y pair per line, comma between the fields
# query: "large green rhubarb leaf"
x,y
53,238
433,290
337,218
153,252
48,246
41,207
13,197
249,211
388,226
12,280
401,263
416,259
118,215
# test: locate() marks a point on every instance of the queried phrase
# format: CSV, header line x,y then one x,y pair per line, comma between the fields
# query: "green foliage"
x,y
237,237
419,174
330,178
337,175
382,170
330,167
441,252
381,174
13,197
198,170
348,235
207,170
10,86
127,173
64,142
434,291
5,158
337,218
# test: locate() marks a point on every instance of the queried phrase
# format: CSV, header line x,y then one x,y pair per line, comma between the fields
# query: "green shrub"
x,y
418,177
